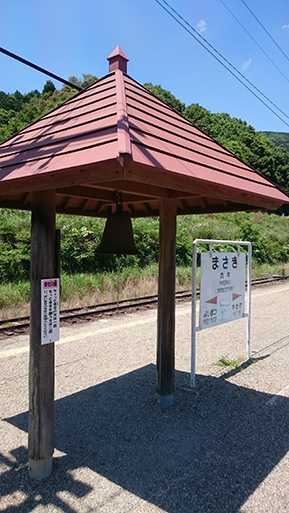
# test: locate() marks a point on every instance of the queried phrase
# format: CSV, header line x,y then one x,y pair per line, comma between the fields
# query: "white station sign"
x,y
222,295
49,310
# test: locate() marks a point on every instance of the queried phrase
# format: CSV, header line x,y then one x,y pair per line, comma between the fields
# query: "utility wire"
x,y
42,70
183,24
268,34
250,35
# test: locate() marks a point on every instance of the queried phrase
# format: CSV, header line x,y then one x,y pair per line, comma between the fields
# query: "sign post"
x,y
222,291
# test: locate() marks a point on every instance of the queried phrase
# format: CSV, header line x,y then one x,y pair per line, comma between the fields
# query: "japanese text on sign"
x,y
49,310
222,288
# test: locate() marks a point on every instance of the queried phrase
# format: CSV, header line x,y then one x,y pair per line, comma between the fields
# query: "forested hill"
x,y
266,152
279,138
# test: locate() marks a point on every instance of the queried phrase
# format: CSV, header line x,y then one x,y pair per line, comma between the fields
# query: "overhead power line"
x,y
268,34
42,70
253,39
182,22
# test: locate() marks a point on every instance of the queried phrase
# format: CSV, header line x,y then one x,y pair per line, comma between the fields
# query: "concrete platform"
x,y
221,448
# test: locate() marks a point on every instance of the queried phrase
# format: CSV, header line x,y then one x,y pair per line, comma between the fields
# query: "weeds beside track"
x,y
20,325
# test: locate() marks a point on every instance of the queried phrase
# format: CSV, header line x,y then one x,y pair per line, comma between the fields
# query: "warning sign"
x,y
49,310
222,294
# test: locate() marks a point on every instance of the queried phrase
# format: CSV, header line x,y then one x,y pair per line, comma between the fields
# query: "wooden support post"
x,y
57,273
41,362
166,303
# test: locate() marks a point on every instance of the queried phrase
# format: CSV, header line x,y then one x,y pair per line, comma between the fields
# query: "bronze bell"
x,y
118,235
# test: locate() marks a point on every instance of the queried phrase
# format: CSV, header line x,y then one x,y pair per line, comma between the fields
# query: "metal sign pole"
x,y
194,305
249,277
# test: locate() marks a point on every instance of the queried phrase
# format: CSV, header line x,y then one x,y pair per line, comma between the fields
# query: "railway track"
x,y
20,325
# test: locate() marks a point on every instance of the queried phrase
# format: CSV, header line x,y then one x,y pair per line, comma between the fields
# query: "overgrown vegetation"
x,y
86,274
80,237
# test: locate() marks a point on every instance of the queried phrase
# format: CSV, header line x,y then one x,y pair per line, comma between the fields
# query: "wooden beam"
x,y
203,203
166,303
87,192
94,173
99,194
181,205
146,206
136,188
181,195
26,199
83,204
41,360
245,194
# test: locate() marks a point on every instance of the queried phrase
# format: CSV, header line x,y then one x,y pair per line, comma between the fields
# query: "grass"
x,y
233,366
227,362
14,299
87,289
261,270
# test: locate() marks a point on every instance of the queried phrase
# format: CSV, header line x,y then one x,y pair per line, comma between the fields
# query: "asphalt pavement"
x,y
220,448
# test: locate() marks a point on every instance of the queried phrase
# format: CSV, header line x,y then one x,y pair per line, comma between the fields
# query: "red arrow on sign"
x,y
213,301
235,296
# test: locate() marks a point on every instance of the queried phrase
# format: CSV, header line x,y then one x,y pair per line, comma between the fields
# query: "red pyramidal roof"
x,y
116,136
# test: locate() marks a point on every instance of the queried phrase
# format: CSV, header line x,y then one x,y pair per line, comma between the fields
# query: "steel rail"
x,y
17,325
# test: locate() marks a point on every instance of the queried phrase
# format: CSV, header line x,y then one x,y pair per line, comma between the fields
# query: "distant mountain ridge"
x,y
279,138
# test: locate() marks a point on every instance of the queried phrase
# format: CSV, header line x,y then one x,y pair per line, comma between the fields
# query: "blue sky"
x,y
71,37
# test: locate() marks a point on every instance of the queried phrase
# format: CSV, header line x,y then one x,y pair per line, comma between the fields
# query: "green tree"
x,y
88,79
48,87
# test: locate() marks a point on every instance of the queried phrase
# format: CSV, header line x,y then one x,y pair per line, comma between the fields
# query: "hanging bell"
x,y
118,235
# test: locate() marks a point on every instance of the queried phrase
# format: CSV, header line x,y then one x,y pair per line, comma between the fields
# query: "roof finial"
x,y
117,60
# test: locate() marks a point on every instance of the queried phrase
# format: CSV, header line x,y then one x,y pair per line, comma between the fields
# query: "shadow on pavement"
x,y
206,453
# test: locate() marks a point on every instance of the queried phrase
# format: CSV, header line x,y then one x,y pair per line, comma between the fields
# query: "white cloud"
x,y
285,27
201,26
246,64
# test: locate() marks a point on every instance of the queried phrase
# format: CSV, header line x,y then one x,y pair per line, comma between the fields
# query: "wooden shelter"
x,y
115,136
